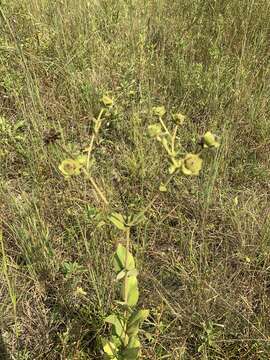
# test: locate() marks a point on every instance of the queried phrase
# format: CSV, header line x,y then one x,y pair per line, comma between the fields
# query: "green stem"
x,y
96,187
126,282
150,204
93,139
126,263
163,125
173,139
88,176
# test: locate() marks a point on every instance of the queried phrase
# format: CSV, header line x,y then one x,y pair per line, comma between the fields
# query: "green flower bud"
x,y
82,159
70,167
154,130
107,101
159,111
162,187
210,140
179,118
191,164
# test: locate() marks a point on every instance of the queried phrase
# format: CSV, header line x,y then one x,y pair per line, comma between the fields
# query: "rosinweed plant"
x,y
186,163
126,319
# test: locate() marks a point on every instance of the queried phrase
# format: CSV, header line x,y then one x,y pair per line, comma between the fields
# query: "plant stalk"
x,y
126,284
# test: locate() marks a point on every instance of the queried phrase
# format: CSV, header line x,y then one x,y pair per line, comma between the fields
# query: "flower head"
x,y
154,130
70,167
159,111
179,118
191,164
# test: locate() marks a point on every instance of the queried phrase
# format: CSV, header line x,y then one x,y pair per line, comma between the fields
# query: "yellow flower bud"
x,y
210,140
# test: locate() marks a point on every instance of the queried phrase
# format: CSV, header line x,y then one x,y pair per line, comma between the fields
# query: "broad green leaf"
x,y
122,304
109,348
131,354
133,349
132,291
117,324
135,320
118,220
117,342
133,272
121,274
120,261
138,218
134,342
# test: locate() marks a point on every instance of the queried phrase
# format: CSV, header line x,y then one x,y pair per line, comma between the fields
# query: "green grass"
x,y
203,257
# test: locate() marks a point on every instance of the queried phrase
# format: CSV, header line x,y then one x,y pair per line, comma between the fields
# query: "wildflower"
x,y
159,111
210,140
70,167
179,118
154,130
191,164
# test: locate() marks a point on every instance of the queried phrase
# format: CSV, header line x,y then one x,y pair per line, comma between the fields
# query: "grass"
x,y
203,254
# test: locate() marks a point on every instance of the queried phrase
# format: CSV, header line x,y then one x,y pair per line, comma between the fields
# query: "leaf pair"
x,y
122,223
118,221
125,334
124,264
133,323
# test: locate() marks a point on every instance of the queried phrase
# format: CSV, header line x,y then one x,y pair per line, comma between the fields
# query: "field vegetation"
x,y
202,248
